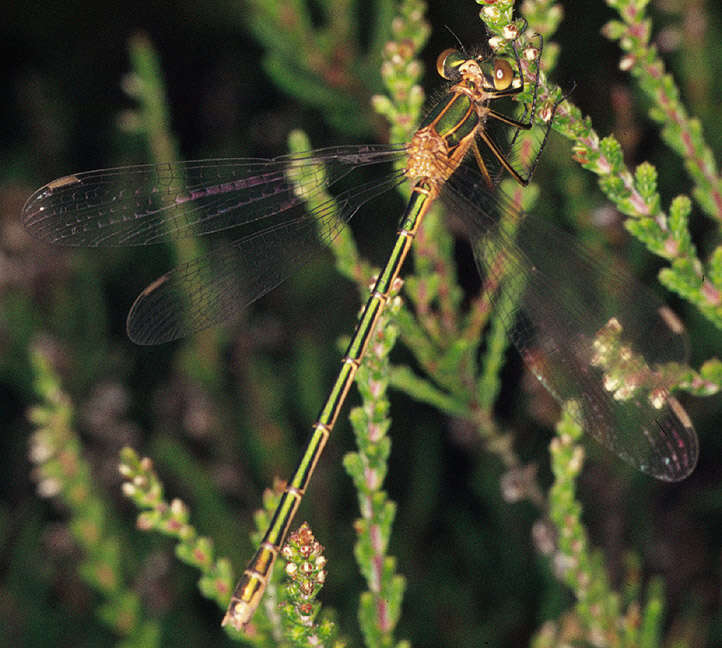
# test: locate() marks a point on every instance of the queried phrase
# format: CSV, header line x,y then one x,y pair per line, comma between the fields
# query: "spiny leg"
x,y
518,124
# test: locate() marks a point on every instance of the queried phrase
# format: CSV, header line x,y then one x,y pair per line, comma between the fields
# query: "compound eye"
x,y
503,74
448,63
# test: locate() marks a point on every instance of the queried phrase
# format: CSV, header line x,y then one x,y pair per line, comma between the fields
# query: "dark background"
x,y
468,556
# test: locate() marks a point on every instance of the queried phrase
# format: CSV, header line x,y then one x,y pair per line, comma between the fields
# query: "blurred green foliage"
x,y
225,412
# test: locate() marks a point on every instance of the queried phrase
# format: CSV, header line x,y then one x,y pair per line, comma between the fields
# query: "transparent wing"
x,y
216,287
586,328
153,203
253,210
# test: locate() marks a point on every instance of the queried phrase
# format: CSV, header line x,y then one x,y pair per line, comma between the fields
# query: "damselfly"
x,y
588,330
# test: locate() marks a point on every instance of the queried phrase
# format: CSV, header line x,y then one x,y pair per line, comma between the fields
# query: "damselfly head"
x,y
493,73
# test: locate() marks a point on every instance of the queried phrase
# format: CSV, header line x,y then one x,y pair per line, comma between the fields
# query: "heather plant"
x,y
476,513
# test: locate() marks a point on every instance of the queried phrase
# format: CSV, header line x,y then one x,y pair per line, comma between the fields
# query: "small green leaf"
x,y
612,151
614,29
645,180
